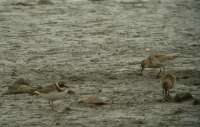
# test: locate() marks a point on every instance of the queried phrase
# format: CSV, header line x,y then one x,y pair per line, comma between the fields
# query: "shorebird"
x,y
157,60
53,92
20,86
94,100
167,81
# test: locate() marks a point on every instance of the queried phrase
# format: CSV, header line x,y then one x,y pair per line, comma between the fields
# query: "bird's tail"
x,y
172,56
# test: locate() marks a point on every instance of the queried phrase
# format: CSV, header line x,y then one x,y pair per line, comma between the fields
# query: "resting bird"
x,y
94,100
20,86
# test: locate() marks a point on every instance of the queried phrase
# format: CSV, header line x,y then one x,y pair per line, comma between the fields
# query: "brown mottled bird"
x,y
157,60
20,86
167,81
54,92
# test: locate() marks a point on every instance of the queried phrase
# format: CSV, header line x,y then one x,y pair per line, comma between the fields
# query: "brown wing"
x,y
160,57
154,62
48,89
165,57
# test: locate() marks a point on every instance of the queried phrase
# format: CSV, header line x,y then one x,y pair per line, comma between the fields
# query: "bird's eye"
x,y
62,85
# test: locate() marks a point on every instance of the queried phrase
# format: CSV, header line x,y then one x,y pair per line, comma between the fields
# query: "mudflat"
x,y
95,46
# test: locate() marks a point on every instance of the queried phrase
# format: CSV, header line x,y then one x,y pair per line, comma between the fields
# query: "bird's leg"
x,y
49,102
142,69
52,106
168,94
163,92
142,65
159,73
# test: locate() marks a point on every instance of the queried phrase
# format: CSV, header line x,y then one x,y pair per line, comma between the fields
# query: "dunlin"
x,y
167,81
157,60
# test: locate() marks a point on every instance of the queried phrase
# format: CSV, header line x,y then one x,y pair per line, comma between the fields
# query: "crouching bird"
x,y
157,60
53,92
94,101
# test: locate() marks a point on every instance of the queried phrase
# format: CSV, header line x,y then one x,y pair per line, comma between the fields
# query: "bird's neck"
x,y
58,88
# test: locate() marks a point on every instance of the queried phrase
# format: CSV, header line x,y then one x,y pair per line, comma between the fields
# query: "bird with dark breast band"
x,y
54,92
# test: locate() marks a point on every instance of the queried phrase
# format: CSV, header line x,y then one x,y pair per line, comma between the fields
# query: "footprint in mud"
x,y
21,4
44,2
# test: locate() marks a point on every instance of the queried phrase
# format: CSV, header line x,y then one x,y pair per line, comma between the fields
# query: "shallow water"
x,y
98,45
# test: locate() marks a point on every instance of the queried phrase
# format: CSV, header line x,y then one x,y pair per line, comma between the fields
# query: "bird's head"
x,y
61,84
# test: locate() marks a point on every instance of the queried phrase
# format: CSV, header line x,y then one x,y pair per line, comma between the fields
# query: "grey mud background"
x,y
96,45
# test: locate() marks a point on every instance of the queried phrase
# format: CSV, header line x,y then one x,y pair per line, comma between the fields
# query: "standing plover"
x,y
157,60
53,92
167,81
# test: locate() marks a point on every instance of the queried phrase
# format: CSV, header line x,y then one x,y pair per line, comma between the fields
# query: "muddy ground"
x,y
96,45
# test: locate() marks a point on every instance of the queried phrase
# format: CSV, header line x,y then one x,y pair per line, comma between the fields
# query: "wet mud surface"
x,y
96,46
